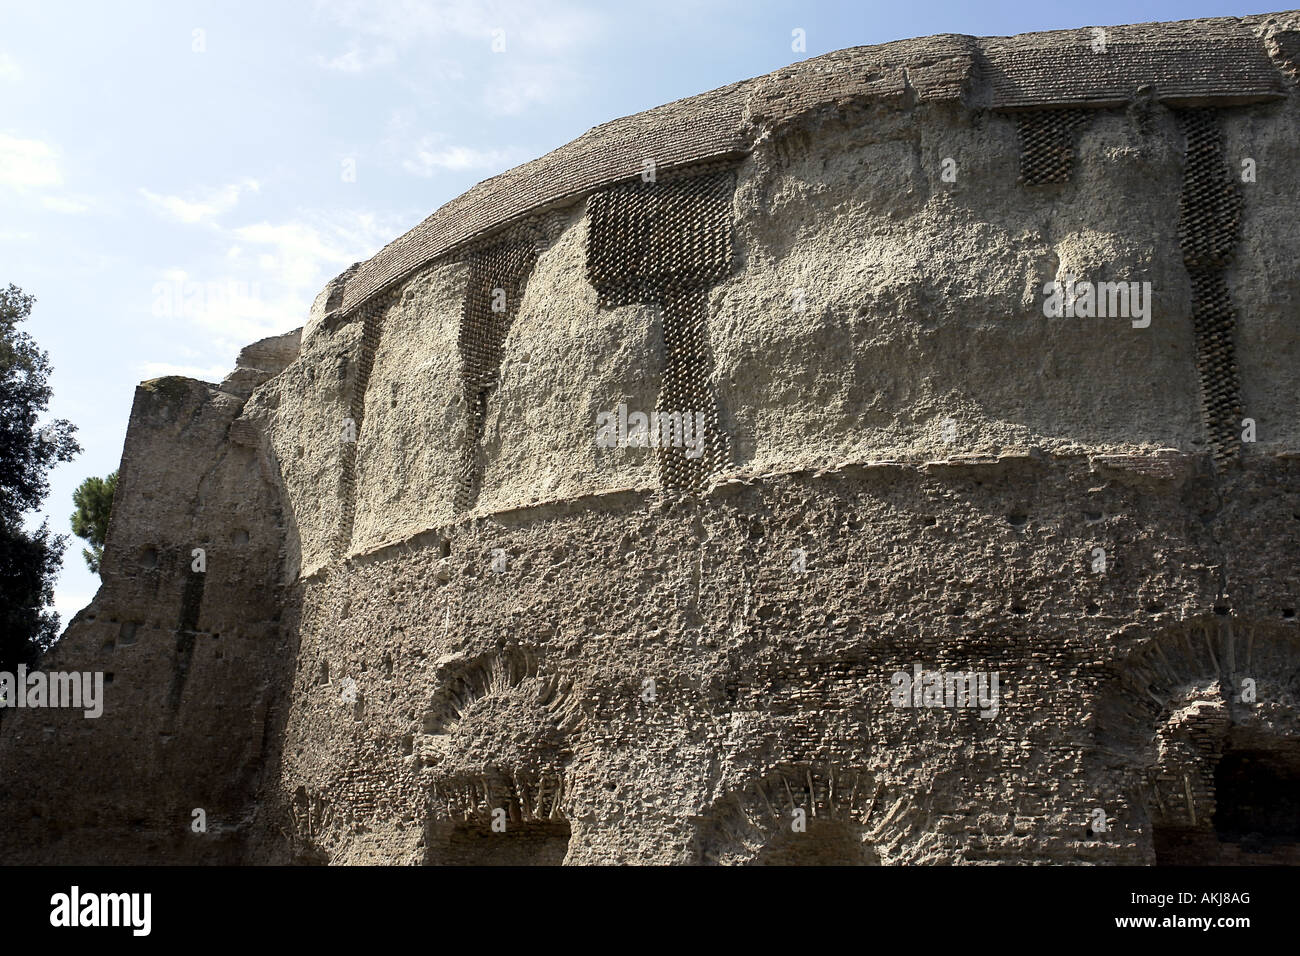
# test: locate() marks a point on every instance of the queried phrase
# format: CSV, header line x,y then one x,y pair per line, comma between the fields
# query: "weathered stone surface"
x,y
195,663
1194,63
921,468
261,361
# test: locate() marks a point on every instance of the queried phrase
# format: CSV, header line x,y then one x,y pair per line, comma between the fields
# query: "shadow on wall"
x,y
1256,820
1206,713
801,814
825,843
474,843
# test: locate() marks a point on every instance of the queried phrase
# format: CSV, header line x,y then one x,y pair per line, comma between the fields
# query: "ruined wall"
x,y
457,602
192,651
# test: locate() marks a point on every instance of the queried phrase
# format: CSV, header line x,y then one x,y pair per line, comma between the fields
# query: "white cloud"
x,y
196,210
260,279
518,86
358,61
28,163
65,204
10,71
297,254
530,30
430,157
31,165
213,373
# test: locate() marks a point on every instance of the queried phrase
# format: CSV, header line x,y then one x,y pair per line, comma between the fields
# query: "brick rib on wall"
x,y
1047,141
1208,226
371,331
498,273
665,243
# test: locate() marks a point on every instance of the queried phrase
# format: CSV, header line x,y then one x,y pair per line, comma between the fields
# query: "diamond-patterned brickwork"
x,y
1208,226
1047,139
666,243
498,275
372,316
646,240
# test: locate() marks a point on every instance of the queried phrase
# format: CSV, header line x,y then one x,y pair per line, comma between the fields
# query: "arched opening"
x,y
1256,818
803,814
1207,711
474,843
825,843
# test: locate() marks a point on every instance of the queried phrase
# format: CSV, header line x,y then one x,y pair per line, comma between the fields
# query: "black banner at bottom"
x,y
338,905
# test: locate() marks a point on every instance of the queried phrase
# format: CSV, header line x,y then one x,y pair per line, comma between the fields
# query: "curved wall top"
x,y
1218,62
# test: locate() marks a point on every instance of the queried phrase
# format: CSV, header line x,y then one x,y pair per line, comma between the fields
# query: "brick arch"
x,y
851,819
498,819
513,671
1177,723
509,809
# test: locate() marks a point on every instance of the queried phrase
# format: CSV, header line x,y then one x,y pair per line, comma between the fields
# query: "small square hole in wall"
x,y
240,536
126,635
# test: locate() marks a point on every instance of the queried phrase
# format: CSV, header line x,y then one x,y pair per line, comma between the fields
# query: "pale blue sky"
x,y
137,153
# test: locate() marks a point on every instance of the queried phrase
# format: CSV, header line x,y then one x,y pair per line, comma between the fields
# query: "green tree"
x,y
94,501
29,560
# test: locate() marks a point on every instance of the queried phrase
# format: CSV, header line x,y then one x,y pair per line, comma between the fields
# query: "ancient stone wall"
x,y
187,630
453,606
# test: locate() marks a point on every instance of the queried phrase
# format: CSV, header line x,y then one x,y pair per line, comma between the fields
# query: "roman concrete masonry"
x,y
381,596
